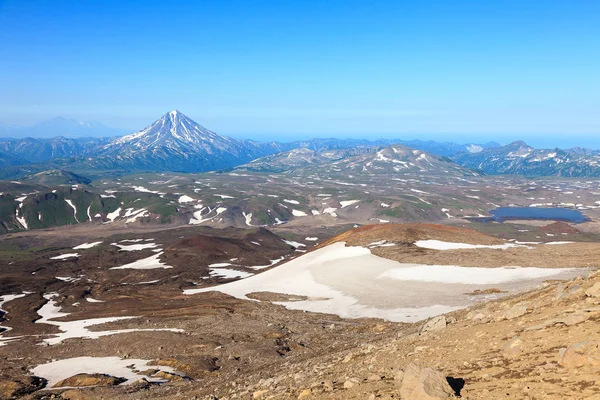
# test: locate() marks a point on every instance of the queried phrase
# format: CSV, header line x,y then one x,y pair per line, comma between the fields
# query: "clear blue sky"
x,y
453,70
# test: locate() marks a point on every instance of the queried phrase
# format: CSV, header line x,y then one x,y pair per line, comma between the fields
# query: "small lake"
x,y
554,213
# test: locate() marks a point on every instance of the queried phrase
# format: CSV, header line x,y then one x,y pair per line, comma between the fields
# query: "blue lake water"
x,y
554,213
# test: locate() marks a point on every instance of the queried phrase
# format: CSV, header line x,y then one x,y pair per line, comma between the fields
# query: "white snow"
x,y
91,300
78,329
315,212
440,245
67,278
294,244
564,242
185,199
296,202
227,273
468,275
311,239
199,218
22,222
56,371
132,214
348,203
65,256
272,262
298,213
248,218
135,247
224,196
70,203
352,283
113,214
143,189
87,245
3,300
151,262
331,211
87,212
220,265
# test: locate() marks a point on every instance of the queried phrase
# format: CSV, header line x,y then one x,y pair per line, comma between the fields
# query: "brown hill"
x,y
400,246
248,248
410,233
558,228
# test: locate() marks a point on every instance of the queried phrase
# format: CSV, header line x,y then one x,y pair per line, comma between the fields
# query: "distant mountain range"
x,y
60,126
174,142
388,160
518,158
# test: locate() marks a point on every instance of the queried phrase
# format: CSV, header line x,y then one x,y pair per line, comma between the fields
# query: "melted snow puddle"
x,y
353,283
57,371
79,329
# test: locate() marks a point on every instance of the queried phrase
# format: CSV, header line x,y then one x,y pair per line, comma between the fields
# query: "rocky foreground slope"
x,y
542,344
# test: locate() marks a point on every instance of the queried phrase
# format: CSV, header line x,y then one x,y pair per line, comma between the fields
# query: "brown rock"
x,y
168,376
374,377
513,347
304,393
259,394
81,380
12,388
593,291
435,324
73,395
579,354
574,319
424,384
348,384
516,311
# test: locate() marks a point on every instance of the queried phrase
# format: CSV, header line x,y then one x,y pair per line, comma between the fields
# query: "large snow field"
x,y
353,283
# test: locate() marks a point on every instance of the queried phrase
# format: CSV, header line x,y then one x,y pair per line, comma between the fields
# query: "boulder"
x,y
81,380
593,291
579,354
16,387
513,347
516,311
424,384
435,324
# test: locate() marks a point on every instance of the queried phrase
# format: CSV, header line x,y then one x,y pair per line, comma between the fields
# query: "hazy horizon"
x,y
465,71
558,141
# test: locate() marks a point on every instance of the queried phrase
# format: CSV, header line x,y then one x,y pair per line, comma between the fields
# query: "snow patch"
x,y
65,256
151,262
87,245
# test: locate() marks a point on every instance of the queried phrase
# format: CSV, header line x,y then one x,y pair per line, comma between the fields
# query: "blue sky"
x,y
445,70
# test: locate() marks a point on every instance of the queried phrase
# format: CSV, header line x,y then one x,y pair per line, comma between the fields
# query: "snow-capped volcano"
x,y
174,130
175,142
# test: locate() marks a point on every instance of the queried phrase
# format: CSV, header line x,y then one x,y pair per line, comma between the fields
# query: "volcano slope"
x,y
219,346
